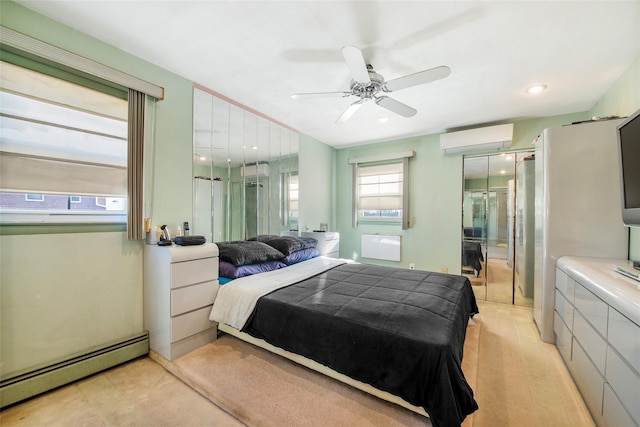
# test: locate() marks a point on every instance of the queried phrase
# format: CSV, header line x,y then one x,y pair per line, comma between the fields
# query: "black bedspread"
x,y
472,255
401,331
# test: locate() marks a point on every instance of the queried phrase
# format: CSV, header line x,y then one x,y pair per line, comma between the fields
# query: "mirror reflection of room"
x,y
245,172
498,226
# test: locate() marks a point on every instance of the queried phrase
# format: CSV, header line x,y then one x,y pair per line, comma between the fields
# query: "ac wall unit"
x,y
260,170
476,140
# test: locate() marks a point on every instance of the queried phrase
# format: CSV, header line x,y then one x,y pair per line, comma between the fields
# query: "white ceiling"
x,y
258,53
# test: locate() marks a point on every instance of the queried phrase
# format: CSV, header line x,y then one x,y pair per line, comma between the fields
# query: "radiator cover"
x,y
30,384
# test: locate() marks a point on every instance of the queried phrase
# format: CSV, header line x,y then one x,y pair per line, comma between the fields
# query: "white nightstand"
x,y
328,242
180,285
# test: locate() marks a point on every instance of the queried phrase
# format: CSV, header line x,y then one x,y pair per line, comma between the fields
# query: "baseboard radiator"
x,y
27,385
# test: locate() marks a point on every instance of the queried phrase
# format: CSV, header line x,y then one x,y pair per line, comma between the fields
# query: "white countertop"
x,y
595,274
176,253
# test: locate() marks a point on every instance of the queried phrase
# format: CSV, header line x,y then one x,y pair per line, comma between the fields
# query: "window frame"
x,y
39,54
379,219
25,215
402,157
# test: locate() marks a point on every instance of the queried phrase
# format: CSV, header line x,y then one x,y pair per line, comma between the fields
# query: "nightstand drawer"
x,y
191,272
190,323
192,297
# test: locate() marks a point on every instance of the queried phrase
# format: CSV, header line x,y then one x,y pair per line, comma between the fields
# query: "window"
x,y
34,197
290,202
63,145
380,192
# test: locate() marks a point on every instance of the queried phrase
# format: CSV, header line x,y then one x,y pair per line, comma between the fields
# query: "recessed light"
x,y
536,89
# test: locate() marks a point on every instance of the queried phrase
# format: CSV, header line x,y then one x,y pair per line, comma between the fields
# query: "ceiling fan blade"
x,y
355,61
395,106
417,78
321,94
350,111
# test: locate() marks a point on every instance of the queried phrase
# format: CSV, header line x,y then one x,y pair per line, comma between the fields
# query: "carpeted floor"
x,y
518,381
263,389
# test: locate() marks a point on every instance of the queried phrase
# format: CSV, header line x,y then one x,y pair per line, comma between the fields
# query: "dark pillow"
x,y
264,237
301,255
288,244
247,252
229,270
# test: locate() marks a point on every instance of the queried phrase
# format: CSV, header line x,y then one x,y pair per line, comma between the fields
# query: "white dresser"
x,y
328,242
180,285
597,326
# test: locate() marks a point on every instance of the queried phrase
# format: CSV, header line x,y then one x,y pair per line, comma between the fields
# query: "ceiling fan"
x,y
367,84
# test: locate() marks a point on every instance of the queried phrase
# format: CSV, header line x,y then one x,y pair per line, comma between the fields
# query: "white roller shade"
x,y
40,175
71,140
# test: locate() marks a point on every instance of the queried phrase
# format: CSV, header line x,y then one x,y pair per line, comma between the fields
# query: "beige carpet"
x,y
263,389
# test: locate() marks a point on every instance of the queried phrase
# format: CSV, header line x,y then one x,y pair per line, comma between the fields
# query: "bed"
x,y
472,256
400,332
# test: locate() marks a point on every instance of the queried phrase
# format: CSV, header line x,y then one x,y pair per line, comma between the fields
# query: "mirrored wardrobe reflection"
x,y
498,226
245,172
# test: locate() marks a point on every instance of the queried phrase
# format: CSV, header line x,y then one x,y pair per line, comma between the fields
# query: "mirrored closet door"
x,y
498,226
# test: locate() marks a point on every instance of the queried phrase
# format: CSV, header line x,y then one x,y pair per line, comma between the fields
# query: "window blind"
x,y
59,137
380,187
381,183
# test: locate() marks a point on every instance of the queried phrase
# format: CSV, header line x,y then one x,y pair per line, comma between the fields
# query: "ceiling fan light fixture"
x,y
366,84
536,89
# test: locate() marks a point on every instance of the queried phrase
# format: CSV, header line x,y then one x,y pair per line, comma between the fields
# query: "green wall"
x,y
83,289
317,184
435,194
432,243
623,99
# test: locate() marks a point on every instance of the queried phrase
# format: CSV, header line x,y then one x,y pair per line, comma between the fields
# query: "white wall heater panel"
x,y
378,246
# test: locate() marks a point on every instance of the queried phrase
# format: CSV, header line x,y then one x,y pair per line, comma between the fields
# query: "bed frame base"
x,y
315,366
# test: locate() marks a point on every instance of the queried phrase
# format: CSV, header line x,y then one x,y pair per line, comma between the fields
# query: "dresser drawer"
x,y
588,379
592,308
190,323
191,297
564,309
624,382
563,338
565,284
191,272
624,336
613,412
594,345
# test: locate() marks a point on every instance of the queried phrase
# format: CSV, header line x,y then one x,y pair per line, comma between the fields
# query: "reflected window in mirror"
x,y
290,205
